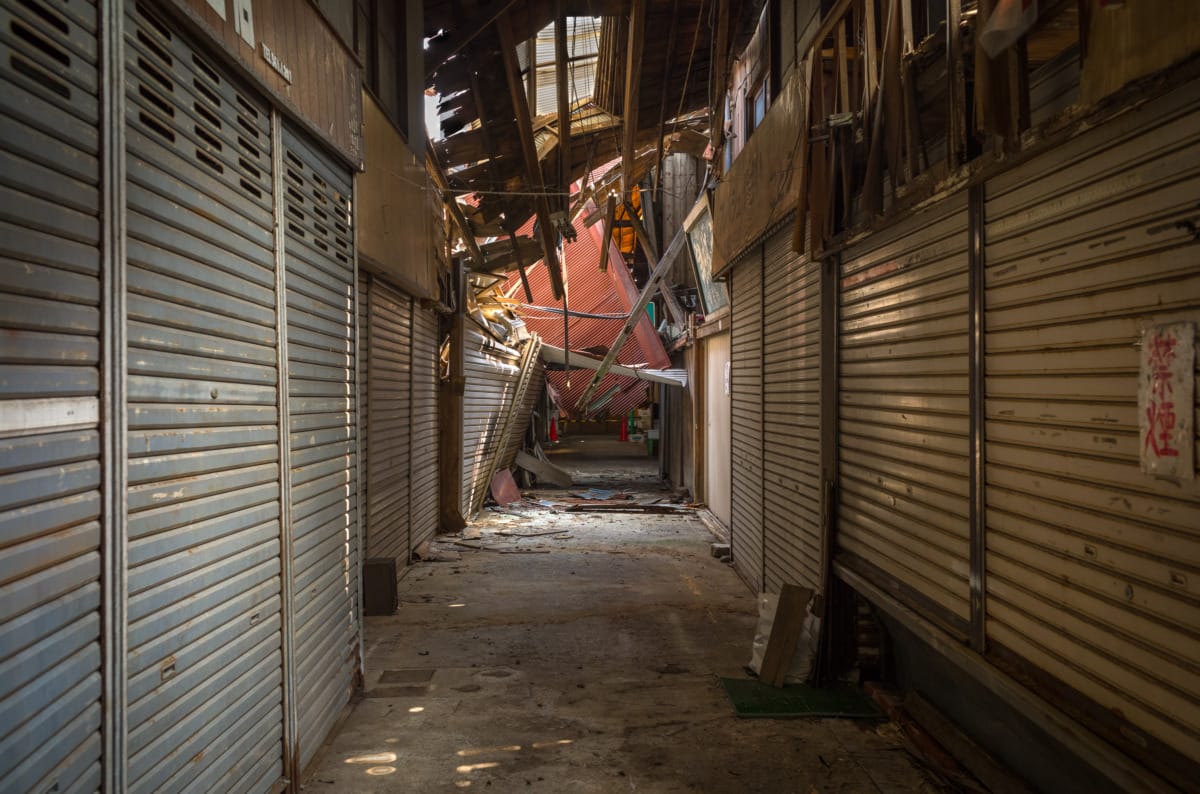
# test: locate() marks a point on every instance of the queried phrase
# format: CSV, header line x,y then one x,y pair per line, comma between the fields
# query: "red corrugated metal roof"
x,y
594,292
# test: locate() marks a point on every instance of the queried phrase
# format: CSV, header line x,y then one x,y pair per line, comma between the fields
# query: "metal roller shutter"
x,y
423,519
1093,568
746,383
362,305
389,386
903,409
491,370
322,398
791,415
50,503
204,609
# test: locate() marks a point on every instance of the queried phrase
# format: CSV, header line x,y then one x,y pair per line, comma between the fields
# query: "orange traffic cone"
x,y
624,430
553,429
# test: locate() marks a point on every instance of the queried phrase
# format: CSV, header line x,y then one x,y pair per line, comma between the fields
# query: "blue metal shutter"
x,y
322,395
204,613
50,501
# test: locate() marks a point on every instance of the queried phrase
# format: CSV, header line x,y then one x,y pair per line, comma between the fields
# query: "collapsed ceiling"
x,y
505,162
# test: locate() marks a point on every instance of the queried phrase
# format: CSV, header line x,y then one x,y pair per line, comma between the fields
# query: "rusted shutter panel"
x,y
321,394
791,428
903,405
204,607
424,434
1093,568
50,502
491,371
389,384
746,383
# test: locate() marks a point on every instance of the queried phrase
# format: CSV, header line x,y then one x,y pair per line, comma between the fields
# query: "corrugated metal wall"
x,y
791,415
389,393
746,380
424,508
903,408
50,445
321,393
491,372
204,609
1093,568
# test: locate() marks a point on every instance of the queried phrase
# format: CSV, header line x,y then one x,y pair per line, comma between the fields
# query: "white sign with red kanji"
x,y
1166,389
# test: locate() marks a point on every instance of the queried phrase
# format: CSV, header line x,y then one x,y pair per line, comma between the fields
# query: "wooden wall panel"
x,y
326,79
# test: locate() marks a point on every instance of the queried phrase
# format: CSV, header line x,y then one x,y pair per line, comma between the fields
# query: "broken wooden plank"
x,y
785,634
545,472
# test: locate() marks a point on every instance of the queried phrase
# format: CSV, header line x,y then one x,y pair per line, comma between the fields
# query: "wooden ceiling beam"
x,y
533,170
460,220
633,79
672,34
441,50
562,69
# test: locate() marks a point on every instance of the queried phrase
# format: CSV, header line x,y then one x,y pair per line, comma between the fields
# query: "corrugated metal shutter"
x,y
322,397
491,372
424,514
520,425
746,381
389,329
903,409
791,415
49,398
362,306
1093,568
204,632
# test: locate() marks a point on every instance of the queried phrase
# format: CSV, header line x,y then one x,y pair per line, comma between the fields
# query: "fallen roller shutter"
x,y
322,399
903,409
520,425
204,607
791,416
424,434
491,371
389,330
50,502
746,383
1092,565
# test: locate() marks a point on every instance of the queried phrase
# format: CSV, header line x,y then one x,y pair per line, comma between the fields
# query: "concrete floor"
x,y
588,665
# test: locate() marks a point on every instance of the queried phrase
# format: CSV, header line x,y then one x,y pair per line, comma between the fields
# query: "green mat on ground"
x,y
756,699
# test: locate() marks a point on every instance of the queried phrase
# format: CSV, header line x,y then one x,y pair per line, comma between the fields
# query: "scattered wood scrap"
x,y
785,634
626,508
546,472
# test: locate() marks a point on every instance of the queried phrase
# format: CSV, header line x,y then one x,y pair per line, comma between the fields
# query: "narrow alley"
x,y
586,661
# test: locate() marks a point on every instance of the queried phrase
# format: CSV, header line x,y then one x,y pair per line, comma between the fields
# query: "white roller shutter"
x,y
746,383
903,410
791,415
492,371
1093,568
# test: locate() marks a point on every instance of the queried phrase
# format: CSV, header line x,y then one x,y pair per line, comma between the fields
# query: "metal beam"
x,y
533,171
633,79
635,315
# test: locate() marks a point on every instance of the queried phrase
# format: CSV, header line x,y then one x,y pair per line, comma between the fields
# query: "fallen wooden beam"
x,y
546,473
785,634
